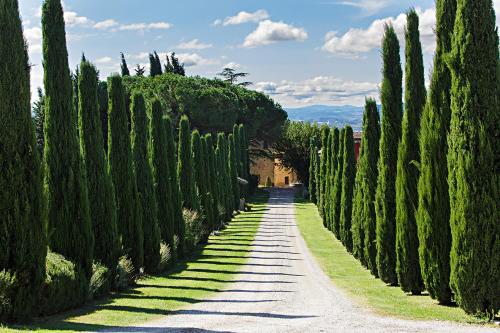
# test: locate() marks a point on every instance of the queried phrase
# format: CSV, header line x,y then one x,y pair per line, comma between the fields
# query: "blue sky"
x,y
301,52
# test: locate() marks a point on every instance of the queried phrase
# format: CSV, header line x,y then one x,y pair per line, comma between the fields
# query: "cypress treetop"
x,y
124,66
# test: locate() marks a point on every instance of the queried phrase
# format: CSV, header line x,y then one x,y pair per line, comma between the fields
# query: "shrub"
x,y
194,228
125,276
7,287
62,288
100,282
165,255
268,182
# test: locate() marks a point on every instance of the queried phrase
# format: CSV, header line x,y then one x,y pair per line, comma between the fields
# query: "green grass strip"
x,y
348,274
191,281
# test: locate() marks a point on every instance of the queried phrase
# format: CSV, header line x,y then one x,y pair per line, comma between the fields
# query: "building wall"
x,y
266,167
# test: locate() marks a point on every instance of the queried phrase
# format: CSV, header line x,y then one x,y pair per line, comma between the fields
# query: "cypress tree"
x,y
233,172
100,186
337,183
23,245
348,176
433,215
200,173
363,218
39,120
213,181
312,173
334,153
185,171
175,204
208,193
69,224
158,159
407,261
325,132
385,198
102,97
224,174
237,151
327,189
245,151
154,65
145,185
158,63
473,171
123,66
122,172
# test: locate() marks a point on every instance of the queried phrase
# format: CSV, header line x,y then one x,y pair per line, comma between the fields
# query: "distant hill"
x,y
337,116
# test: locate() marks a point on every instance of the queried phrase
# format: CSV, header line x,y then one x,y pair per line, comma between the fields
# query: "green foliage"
x,y
69,223
292,149
407,261
325,132
212,181
201,177
348,176
63,286
22,218
363,214
123,66
238,147
473,169
154,64
38,120
159,160
195,229
100,282
224,178
175,204
336,193
102,97
185,169
433,213
233,173
145,184
312,174
328,189
100,186
214,106
122,172
125,273
244,151
385,198
165,257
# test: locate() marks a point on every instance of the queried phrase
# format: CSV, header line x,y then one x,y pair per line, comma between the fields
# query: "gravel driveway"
x,y
282,289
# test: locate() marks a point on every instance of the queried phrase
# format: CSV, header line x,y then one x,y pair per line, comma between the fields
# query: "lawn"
x,y
349,275
191,281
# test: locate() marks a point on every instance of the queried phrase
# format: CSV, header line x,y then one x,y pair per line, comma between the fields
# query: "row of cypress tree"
x,y
420,220
81,203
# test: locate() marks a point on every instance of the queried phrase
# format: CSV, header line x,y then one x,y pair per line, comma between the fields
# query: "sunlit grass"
x,y
188,282
348,274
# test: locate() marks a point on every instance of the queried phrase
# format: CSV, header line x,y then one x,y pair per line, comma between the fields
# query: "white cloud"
x,y
243,17
269,32
106,24
194,59
73,19
368,7
104,60
319,90
356,41
232,65
194,45
34,38
144,26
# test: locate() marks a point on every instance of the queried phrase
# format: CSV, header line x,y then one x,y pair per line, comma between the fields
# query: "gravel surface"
x,y
282,289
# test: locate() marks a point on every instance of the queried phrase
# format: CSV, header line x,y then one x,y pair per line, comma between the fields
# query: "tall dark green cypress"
x,y
473,168
312,173
385,198
175,204
123,66
334,153
201,177
158,160
69,226
336,196
433,215
122,172
407,261
224,174
233,172
185,171
145,184
238,153
328,185
107,245
363,216
325,132
245,151
214,181
348,176
208,199
23,244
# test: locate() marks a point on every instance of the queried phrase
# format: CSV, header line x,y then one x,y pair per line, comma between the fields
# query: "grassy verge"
x,y
191,281
349,275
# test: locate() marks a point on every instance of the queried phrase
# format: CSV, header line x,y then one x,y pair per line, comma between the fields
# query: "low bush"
x,y
64,286
125,276
165,255
7,287
100,282
194,228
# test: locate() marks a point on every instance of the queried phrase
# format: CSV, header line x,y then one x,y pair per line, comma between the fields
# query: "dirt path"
x,y
282,289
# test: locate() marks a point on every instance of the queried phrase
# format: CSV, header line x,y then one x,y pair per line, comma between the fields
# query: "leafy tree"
x,y
122,172
154,64
145,184
233,172
159,160
363,214
336,195
348,176
385,198
168,66
177,66
407,261
473,171
139,71
174,188
231,76
23,243
123,66
433,215
69,223
185,169
100,186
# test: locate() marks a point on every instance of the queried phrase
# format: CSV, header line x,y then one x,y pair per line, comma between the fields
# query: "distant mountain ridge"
x,y
335,116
